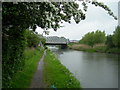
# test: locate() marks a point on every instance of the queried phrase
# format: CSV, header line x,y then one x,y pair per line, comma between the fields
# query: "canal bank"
x,y
97,48
93,70
23,78
56,74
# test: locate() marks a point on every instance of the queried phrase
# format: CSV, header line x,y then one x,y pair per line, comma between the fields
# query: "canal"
x,y
93,70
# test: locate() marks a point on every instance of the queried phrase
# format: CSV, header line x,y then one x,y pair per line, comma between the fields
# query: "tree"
x,y
42,39
99,37
116,37
92,38
109,41
32,39
44,14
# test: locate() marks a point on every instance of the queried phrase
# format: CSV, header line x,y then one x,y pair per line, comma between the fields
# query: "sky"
x,y
96,19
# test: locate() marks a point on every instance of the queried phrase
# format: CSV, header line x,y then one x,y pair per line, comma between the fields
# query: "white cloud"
x,y
108,0
97,18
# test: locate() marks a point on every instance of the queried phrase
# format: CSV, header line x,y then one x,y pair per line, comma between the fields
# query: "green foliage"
x,y
22,79
100,49
44,14
56,74
93,38
99,37
14,43
42,39
113,41
116,37
109,41
114,50
13,46
84,47
33,39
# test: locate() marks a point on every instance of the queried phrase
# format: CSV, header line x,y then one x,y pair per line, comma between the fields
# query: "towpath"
x,y
37,81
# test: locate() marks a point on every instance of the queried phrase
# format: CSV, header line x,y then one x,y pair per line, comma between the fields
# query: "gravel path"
x,y
37,81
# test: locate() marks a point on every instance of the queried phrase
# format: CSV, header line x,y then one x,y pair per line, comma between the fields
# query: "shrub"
x,y
12,54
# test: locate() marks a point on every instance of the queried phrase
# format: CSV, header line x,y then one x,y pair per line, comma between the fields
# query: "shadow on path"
x,y
37,81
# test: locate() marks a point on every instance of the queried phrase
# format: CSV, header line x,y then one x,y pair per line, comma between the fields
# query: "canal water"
x,y
93,70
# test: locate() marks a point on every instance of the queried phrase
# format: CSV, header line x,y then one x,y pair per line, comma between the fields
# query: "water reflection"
x,y
94,70
55,49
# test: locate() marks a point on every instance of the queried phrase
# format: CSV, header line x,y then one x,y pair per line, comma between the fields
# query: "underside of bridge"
x,y
63,45
55,44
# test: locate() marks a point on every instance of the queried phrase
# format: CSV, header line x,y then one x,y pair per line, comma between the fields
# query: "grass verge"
x,y
82,47
97,48
114,50
22,79
56,74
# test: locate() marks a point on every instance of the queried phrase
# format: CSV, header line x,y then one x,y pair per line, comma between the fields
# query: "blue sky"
x,y
96,19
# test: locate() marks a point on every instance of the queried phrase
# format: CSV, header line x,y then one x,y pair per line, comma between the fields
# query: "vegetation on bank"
x,y
13,47
92,38
84,47
22,79
98,42
57,75
96,48
33,39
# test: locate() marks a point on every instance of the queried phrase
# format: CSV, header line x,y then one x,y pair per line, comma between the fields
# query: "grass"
x,y
96,48
22,79
114,50
81,47
56,74
87,48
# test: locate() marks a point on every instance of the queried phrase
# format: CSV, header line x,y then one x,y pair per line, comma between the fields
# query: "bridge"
x,y
54,40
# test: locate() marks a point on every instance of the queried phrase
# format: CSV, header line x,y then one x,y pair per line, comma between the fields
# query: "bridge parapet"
x,y
56,40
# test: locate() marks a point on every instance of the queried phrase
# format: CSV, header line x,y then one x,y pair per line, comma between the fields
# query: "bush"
x,y
109,41
34,39
116,37
12,54
13,46
22,79
114,50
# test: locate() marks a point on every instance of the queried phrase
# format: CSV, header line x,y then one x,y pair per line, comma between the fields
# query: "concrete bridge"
x,y
54,40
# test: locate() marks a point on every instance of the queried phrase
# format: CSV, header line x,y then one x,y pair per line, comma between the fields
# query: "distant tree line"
x,y
92,38
97,37
114,40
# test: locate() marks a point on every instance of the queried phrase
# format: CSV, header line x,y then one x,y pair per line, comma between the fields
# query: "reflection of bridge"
x,y
54,40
